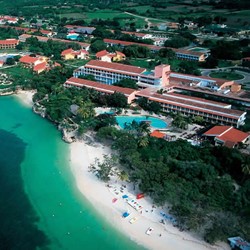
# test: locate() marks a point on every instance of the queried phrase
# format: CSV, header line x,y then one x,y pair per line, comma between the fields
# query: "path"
x,y
146,19
206,72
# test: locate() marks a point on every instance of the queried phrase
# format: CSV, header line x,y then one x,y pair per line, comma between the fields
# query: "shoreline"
x,y
25,96
81,156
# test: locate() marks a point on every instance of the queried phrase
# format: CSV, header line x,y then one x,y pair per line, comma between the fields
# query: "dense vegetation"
x,y
208,189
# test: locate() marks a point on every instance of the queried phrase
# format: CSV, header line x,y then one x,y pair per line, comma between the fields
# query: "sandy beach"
x,y
26,96
164,237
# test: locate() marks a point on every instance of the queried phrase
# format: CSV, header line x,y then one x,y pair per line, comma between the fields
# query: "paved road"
x,y
206,72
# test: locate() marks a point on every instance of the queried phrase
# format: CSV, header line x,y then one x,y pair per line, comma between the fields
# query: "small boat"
x,y
149,231
114,200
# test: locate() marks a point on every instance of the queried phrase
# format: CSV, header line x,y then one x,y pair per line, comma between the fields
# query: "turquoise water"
x,y
40,204
154,122
72,37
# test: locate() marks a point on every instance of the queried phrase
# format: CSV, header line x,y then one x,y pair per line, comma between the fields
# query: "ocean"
x,y
40,205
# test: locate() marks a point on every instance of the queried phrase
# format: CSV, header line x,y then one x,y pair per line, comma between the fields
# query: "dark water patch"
x,y
18,229
17,125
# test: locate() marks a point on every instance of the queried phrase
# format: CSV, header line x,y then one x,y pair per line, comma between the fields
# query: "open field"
x,y
106,14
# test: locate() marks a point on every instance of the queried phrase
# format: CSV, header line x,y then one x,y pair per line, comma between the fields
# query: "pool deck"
x,y
187,134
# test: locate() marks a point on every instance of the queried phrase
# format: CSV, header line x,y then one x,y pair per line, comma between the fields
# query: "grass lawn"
x,y
75,63
74,15
227,75
18,72
141,63
105,14
140,9
223,63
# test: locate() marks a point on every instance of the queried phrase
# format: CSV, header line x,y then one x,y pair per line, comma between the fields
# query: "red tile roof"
x,y
102,53
174,77
157,134
125,43
137,34
117,67
40,66
84,51
198,99
9,42
227,134
188,103
99,86
233,135
120,53
28,59
45,39
45,32
67,51
217,130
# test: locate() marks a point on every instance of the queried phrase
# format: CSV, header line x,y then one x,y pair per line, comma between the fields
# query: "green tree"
x,y
179,121
106,169
86,110
167,53
127,83
97,45
177,42
117,100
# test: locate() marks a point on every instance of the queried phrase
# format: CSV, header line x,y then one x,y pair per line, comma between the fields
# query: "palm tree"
x,y
86,110
123,176
143,141
179,122
143,128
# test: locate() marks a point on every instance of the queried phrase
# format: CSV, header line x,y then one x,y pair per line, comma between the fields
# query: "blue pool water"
x,y
72,37
154,122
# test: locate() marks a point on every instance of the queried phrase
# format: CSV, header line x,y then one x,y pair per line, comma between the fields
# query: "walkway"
x,y
206,72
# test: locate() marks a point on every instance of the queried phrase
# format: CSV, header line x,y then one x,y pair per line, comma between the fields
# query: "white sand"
x,y
26,96
101,197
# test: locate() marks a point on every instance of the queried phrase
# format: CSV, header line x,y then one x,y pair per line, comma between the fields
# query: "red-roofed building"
x,y
226,136
32,61
39,68
110,73
1,63
106,56
158,134
24,37
8,43
100,87
112,42
70,54
8,19
211,111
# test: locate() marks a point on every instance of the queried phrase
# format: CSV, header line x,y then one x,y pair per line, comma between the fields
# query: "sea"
x,y
40,205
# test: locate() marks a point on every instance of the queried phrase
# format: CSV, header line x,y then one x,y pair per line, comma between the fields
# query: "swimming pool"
x,y
154,122
72,37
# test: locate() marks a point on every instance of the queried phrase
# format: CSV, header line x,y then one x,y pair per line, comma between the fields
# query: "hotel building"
x,y
109,73
214,112
100,87
8,43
